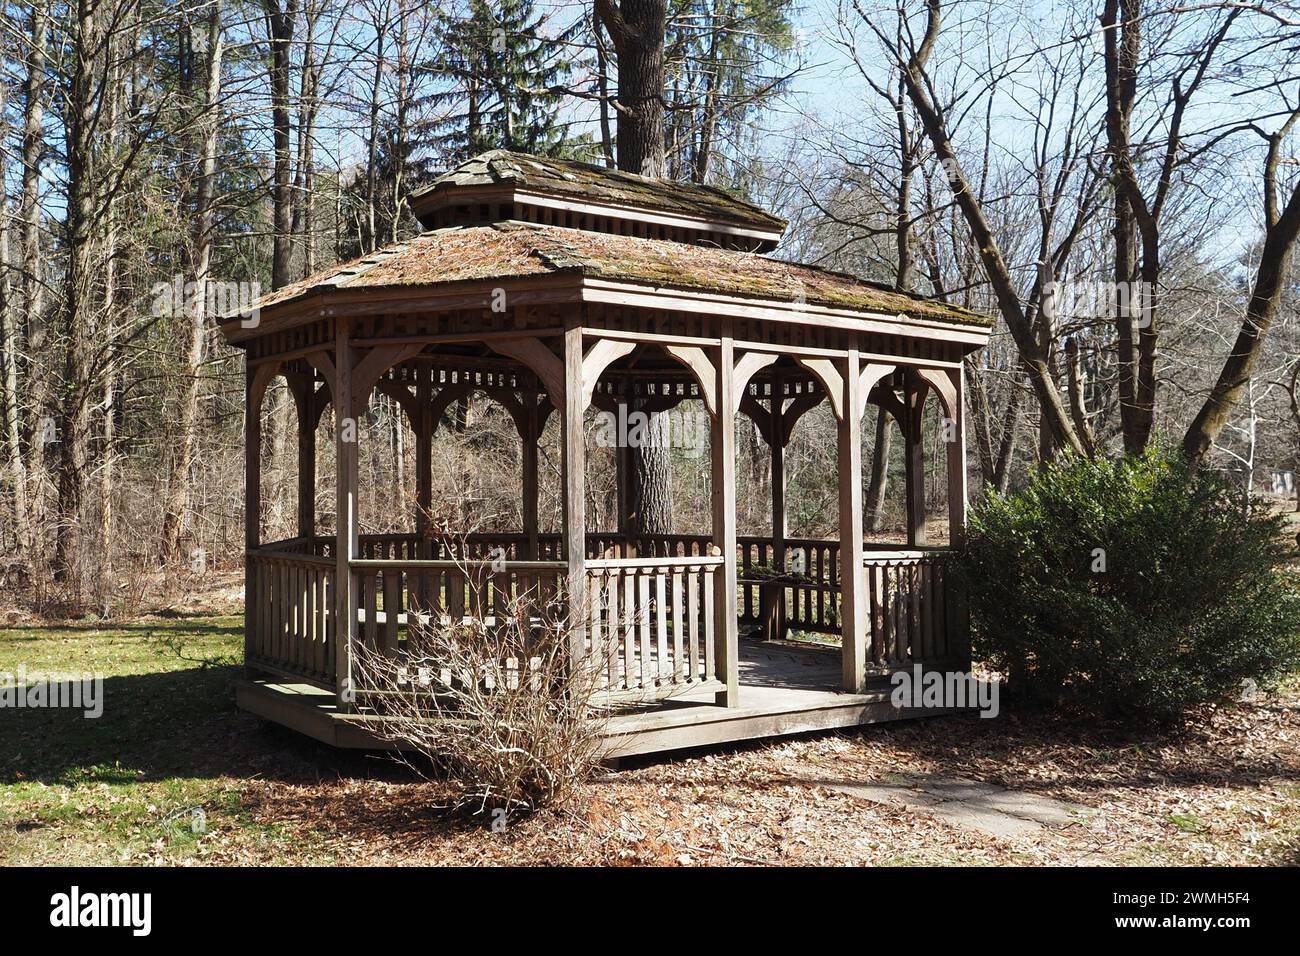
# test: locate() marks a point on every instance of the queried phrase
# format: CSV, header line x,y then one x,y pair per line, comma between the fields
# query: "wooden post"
x,y
306,461
956,609
957,464
774,619
853,605
252,504
914,460
573,467
423,426
345,542
723,465
252,463
529,436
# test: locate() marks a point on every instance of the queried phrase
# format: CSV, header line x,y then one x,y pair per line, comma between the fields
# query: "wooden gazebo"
x,y
555,287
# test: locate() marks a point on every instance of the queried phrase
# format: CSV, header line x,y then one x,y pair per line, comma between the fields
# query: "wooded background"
x,y
1040,160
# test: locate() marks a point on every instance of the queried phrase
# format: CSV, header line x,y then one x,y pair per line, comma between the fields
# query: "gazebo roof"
x,y
513,250
522,176
557,231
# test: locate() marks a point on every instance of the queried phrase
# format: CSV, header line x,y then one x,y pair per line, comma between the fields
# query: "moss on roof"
x,y
584,181
511,250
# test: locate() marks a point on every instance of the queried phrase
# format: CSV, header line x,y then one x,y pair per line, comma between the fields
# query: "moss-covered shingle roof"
x,y
582,181
511,250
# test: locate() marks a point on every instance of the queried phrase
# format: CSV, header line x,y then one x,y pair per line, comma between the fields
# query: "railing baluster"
x,y
629,629
392,611
679,663
368,602
597,649
643,623
707,585
611,629
892,629
693,622
664,669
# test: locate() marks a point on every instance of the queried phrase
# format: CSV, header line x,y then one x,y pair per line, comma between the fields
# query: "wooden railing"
x,y
396,595
469,547
815,596
289,615
288,545
399,599
911,609
649,628
605,545
753,552
650,625
810,582
486,546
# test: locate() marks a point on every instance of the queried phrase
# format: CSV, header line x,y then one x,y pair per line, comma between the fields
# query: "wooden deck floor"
x,y
784,689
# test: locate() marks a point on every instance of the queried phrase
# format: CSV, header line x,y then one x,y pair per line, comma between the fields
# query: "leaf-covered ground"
x,y
173,773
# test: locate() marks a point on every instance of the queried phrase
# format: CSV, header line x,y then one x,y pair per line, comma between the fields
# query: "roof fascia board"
x,y
569,288
605,292
334,302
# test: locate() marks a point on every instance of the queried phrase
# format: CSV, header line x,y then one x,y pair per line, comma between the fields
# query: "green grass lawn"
x,y
159,776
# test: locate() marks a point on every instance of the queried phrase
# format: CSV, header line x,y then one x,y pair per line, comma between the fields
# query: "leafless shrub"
x,y
497,702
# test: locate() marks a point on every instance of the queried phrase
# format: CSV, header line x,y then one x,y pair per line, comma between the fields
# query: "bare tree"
x,y
913,59
1138,213
1281,229
197,317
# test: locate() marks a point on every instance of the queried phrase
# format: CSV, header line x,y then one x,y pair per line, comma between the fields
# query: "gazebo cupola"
x,y
560,290
501,185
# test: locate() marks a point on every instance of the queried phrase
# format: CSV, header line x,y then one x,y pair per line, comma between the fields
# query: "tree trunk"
x,y
1007,447
103,570
981,418
1122,43
602,79
280,24
903,197
1265,297
1293,397
29,214
9,358
178,482
1077,383
712,79
78,307
400,131
874,511
372,156
304,226
650,498
636,28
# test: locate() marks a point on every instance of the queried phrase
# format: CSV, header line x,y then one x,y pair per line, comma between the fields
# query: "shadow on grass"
x,y
157,726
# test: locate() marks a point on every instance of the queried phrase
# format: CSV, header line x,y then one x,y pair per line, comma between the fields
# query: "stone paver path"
x,y
968,803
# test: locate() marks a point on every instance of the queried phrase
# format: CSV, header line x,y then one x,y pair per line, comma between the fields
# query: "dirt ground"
x,y
1225,791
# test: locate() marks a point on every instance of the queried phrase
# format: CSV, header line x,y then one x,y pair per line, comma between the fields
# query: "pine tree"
x,y
503,73
729,60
